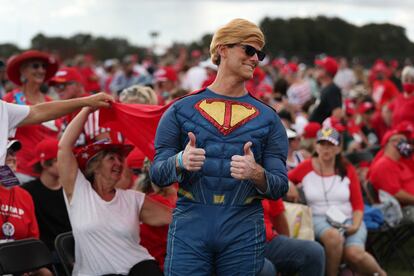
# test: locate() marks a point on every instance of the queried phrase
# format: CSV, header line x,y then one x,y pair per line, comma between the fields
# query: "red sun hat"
x,y
66,74
88,152
329,64
15,62
47,149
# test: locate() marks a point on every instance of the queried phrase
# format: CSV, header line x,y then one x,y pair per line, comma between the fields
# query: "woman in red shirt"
x,y
331,186
29,70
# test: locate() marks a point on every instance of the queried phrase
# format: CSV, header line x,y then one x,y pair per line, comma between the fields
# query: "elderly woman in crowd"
x,y
331,186
105,219
29,70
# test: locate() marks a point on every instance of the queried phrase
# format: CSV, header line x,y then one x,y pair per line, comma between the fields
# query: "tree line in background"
x,y
303,38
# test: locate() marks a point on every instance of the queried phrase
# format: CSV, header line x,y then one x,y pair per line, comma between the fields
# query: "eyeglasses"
x,y
37,65
62,86
251,51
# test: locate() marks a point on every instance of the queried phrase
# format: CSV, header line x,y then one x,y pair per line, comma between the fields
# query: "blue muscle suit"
x,y
218,225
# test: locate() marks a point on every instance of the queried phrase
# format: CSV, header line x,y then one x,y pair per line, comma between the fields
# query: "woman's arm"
x,y
356,222
154,213
67,164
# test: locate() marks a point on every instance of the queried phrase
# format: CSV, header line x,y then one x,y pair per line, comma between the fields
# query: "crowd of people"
x,y
236,132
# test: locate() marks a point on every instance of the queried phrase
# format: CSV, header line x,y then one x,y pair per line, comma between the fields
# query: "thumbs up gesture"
x,y
193,157
243,166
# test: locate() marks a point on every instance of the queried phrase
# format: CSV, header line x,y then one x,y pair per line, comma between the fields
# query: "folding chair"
x,y
18,257
65,248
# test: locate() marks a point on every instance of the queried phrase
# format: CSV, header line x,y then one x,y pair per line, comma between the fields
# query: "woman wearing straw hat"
x,y
105,219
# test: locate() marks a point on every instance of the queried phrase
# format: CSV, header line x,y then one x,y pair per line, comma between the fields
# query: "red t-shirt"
x,y
383,91
391,176
402,110
31,135
271,208
17,208
155,238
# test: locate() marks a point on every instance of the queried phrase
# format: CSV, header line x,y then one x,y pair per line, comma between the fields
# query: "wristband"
x,y
180,160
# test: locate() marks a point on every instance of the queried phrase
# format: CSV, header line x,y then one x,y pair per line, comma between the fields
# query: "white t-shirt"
x,y
106,233
194,78
10,116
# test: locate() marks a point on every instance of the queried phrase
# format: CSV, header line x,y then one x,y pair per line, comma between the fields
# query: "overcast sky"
x,y
177,20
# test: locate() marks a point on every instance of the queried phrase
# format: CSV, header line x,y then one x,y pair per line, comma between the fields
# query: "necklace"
x,y
326,191
7,227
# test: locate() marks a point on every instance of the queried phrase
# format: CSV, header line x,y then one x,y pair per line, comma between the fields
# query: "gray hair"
x,y
407,73
138,94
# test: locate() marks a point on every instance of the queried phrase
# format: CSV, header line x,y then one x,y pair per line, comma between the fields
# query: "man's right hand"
x,y
98,100
193,157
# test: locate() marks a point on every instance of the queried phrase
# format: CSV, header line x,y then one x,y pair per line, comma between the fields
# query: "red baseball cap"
x,y
290,68
407,128
15,62
311,129
66,74
88,152
389,134
166,73
329,64
47,149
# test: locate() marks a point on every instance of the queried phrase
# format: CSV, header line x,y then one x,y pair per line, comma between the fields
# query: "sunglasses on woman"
x,y
37,65
250,51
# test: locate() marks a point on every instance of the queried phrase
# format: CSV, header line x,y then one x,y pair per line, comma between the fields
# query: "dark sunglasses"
x,y
37,65
62,86
251,51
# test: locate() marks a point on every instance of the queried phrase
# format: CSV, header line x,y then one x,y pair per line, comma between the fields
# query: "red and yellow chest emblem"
x,y
226,115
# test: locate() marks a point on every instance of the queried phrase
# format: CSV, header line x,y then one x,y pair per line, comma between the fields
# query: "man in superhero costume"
x,y
227,150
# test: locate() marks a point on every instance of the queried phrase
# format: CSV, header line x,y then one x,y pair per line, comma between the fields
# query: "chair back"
x,y
371,192
65,248
17,257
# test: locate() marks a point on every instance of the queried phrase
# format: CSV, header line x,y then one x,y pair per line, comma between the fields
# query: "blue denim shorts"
x,y
320,225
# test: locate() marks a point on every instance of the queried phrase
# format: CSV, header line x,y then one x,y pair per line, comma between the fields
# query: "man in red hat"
x,y
383,90
68,83
165,82
330,103
388,173
47,194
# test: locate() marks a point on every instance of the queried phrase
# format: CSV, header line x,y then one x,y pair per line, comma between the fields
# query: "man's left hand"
x,y
244,167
